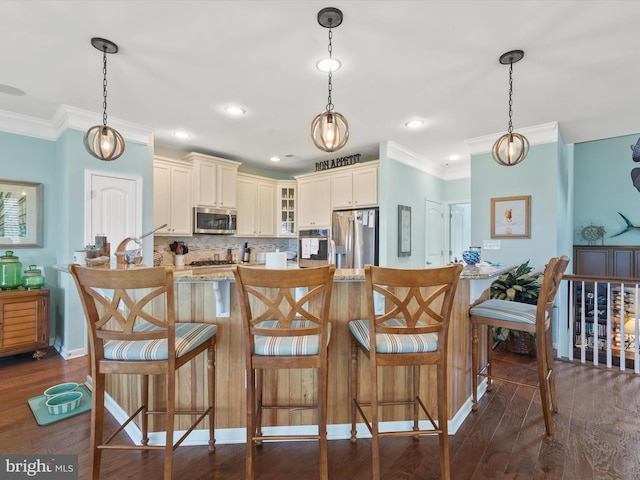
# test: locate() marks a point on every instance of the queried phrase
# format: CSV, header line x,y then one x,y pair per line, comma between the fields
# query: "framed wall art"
x,y
510,217
20,214
404,231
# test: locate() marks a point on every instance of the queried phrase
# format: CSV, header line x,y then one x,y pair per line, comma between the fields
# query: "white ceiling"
x,y
181,62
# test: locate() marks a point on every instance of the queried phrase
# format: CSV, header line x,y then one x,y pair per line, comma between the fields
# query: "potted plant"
x,y
519,285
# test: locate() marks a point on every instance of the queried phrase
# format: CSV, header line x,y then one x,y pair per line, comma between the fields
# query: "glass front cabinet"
x,y
287,209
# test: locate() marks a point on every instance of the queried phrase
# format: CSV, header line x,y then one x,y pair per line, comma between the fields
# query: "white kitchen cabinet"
x,y
214,181
172,201
314,201
355,188
286,210
256,207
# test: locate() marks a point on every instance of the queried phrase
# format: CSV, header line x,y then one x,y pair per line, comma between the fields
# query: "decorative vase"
x,y
471,257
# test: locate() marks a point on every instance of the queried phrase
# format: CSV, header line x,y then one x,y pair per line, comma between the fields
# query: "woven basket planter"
x,y
524,343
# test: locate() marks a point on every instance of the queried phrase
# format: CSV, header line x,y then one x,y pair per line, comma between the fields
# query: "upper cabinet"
x,y
314,201
356,187
286,209
214,181
256,207
172,201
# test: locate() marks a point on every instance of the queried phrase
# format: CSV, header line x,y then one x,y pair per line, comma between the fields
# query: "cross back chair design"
x,y
132,330
286,325
535,319
412,330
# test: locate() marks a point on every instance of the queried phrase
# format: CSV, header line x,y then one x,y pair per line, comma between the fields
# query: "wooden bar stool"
x,y
535,319
286,326
132,331
410,330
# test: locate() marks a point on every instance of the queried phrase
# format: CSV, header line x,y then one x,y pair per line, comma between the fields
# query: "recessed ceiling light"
x,y
454,157
233,110
328,63
414,123
181,134
275,159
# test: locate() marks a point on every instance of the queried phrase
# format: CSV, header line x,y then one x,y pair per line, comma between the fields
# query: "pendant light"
x,y
330,130
101,141
511,148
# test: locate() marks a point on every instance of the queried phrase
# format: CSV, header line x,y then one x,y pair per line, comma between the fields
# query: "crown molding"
x,y
25,125
69,117
537,135
397,152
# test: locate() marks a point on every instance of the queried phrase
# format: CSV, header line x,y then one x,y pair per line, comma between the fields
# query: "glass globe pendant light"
x,y
101,141
330,130
511,148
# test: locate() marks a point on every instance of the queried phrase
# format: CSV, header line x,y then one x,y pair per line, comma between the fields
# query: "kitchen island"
x,y
209,295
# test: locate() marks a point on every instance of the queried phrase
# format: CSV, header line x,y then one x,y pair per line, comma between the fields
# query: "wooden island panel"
x,y
196,302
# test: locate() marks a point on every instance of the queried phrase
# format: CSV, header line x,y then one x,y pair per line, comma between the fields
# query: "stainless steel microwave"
x,y
214,221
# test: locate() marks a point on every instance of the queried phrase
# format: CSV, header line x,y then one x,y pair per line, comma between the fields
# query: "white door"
x,y
459,230
114,207
434,238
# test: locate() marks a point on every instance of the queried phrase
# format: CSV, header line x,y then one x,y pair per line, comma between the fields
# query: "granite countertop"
x,y
189,274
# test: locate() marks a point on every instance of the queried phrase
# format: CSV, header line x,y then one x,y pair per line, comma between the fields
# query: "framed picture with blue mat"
x,y
41,412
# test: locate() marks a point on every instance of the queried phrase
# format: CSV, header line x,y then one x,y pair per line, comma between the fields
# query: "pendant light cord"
x,y
330,88
510,129
104,87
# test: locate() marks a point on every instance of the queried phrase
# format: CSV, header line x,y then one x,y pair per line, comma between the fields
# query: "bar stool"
x,y
410,330
536,319
132,330
286,326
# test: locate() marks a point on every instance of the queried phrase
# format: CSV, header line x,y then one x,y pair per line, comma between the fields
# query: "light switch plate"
x,y
491,244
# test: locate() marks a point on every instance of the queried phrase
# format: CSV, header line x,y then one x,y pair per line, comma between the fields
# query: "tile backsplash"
x,y
204,247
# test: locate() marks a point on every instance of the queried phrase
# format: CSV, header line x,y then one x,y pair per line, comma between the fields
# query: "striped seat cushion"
x,y
188,337
394,343
288,346
506,310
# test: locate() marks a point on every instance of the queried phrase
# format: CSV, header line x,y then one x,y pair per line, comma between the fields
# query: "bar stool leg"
x,y
474,366
354,388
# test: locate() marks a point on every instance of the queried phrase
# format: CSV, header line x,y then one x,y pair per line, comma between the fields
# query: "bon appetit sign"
x,y
338,162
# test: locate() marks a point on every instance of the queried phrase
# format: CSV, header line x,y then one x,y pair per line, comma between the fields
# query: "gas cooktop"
x,y
208,263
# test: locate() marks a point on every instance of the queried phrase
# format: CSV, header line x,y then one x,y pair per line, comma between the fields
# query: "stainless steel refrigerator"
x,y
355,236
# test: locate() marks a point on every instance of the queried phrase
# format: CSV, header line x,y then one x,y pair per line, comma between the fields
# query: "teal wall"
x,y
540,175
399,184
603,187
60,166
32,160
457,191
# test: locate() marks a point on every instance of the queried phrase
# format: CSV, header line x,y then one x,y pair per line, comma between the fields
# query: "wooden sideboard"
x,y
607,260
24,321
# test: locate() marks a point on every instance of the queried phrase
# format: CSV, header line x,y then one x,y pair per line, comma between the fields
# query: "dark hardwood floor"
x,y
597,433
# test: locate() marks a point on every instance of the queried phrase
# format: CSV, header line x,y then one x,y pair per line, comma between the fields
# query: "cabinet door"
x,y
314,203
592,262
227,186
305,204
247,197
181,201
206,183
286,210
622,263
342,190
322,203
365,187
265,207
162,197
22,321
